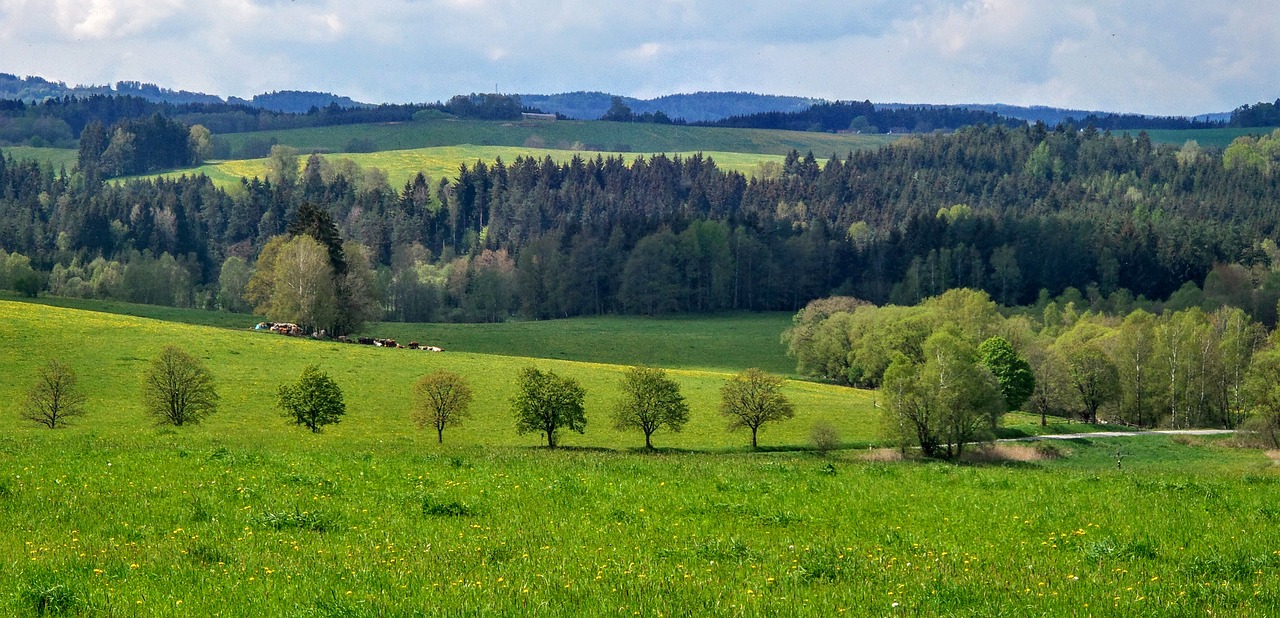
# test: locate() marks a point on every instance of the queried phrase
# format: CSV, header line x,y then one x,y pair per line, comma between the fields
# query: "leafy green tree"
x,y
200,142
650,401
282,165
1092,375
178,389
1134,352
966,394
441,399
943,403
55,396
1011,370
618,111
547,402
314,401
1262,392
293,282
233,278
753,398
910,413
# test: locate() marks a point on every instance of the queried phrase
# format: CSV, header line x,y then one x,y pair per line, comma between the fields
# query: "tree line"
x,y
1012,211
59,121
179,390
948,367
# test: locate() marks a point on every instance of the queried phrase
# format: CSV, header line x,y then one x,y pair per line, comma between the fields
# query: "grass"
x,y
1207,138
58,158
563,135
725,343
443,162
111,351
245,516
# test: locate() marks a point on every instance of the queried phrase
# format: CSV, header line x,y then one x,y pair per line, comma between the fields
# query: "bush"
x,y
824,436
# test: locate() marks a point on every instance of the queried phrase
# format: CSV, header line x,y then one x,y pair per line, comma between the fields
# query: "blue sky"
x,y
1154,56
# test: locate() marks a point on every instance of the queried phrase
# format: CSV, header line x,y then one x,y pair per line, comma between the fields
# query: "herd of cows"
x,y
293,330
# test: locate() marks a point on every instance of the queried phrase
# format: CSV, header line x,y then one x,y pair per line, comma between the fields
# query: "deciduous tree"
x,y
650,401
753,398
441,400
1010,369
546,402
314,401
54,397
179,390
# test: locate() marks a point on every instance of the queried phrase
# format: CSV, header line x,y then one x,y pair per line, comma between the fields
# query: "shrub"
x,y
824,436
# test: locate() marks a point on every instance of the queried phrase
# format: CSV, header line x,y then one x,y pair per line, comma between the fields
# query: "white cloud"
x,y
1174,56
112,19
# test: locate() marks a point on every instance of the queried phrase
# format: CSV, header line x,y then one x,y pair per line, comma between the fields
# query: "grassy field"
x,y
726,343
563,135
443,162
377,381
247,516
57,157
1207,138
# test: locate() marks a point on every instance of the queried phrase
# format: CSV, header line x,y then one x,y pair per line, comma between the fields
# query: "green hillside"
x,y
244,515
724,343
1207,138
443,161
562,135
57,157
111,352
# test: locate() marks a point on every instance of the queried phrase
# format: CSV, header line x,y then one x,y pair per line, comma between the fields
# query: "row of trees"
x,y
179,390
547,403
949,367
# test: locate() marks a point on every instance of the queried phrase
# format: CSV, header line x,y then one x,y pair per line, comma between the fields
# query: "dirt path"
x,y
1120,434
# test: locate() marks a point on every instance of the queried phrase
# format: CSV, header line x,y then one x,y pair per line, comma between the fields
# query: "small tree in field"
x,y
178,389
440,400
650,401
753,398
546,402
314,401
55,396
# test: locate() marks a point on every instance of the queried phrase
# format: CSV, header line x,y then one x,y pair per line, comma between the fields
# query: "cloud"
x,y
1170,56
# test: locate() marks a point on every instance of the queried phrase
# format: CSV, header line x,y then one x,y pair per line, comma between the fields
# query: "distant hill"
x,y
1048,115
298,101
695,107
37,89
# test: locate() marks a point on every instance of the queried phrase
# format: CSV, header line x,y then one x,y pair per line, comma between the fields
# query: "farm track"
x,y
1121,434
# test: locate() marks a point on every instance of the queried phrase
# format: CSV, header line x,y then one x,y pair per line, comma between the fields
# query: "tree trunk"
x,y
647,443
754,446
439,435
551,438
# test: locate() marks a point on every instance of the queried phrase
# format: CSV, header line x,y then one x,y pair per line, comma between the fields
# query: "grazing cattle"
x,y
413,345
366,341
431,348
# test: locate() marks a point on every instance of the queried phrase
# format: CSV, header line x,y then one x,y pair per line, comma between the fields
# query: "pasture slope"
x,y
442,162
562,135
245,516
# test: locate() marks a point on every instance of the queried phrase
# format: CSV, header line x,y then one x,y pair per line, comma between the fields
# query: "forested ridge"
x,y
1008,210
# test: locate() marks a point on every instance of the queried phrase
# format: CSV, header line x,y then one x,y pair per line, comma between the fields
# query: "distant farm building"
x,y
533,116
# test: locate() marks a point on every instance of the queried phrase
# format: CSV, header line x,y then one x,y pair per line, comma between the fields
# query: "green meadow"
x,y
562,135
57,158
443,161
1206,138
244,515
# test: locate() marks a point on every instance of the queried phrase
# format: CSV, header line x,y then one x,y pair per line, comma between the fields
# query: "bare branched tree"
x,y
55,396
179,389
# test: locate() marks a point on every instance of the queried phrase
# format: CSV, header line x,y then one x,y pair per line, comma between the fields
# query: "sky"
x,y
1166,57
